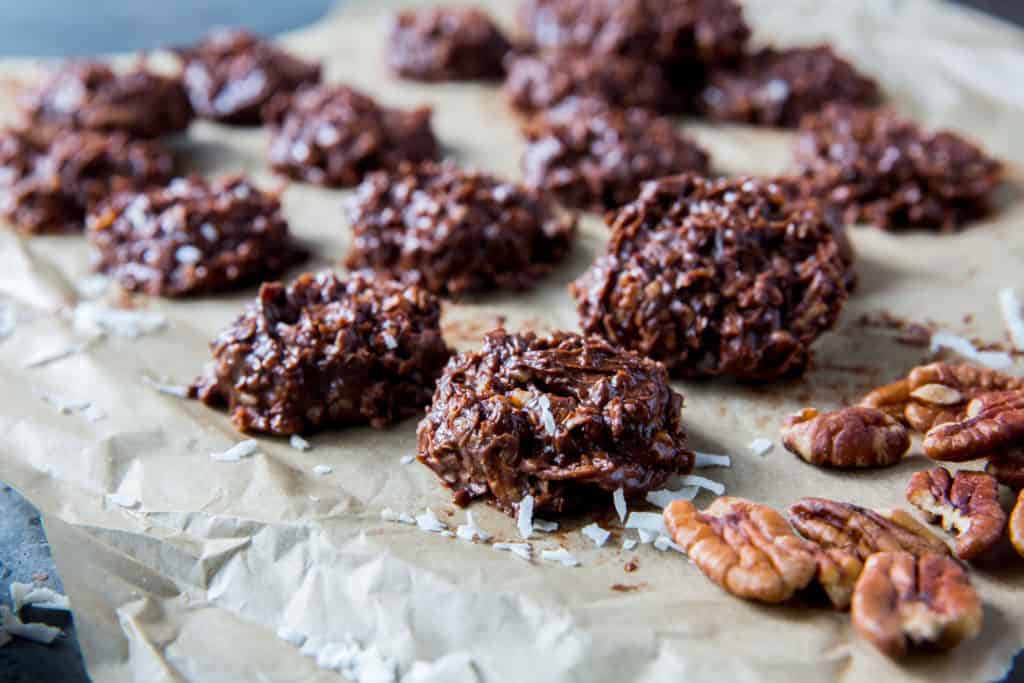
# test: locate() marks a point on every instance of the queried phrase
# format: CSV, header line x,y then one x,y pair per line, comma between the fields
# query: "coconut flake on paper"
x,y
242,449
470,531
705,460
95,317
520,550
595,533
561,556
1013,315
663,497
162,386
997,360
524,517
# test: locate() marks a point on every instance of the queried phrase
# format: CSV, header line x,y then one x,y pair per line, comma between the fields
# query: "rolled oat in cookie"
x,y
326,351
564,420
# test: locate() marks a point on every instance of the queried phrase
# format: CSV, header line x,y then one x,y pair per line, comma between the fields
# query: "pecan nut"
x,y
746,548
901,600
938,392
1008,468
837,573
967,503
1017,525
850,437
993,422
832,524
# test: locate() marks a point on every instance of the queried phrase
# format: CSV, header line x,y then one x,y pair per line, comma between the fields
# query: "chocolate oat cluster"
x,y
590,156
878,168
446,44
93,96
232,74
191,237
50,177
778,87
680,33
537,81
324,352
716,277
565,419
455,231
334,135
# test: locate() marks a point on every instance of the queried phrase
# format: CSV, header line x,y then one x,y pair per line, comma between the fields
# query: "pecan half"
x,y
993,422
850,437
967,503
901,600
1008,468
746,548
938,392
1017,525
832,524
837,572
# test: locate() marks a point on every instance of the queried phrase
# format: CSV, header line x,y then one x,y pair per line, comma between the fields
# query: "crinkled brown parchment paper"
x,y
193,583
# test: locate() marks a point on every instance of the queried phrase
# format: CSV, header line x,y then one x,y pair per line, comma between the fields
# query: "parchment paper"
x,y
192,584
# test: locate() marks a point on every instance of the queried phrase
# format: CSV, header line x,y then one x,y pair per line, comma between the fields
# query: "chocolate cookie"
x,y
676,32
541,80
93,96
191,237
716,277
334,135
565,419
446,44
232,74
778,87
876,167
591,156
50,177
454,231
327,352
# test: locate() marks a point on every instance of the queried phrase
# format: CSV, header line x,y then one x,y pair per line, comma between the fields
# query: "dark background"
x,y
85,27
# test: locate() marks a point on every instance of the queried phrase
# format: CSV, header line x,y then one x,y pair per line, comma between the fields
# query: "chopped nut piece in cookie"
x,y
991,423
1008,468
1017,525
850,437
746,548
967,503
902,601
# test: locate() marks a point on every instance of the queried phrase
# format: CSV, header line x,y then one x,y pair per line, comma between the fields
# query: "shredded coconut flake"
x,y
596,534
715,487
407,459
646,536
619,499
428,521
628,544
996,360
703,460
1013,316
188,254
561,555
389,515
524,517
322,470
165,388
761,446
546,417
23,594
58,354
8,319
95,317
646,521
663,543
663,497
298,443
123,500
521,550
291,635
39,633
64,405
470,530
242,449
92,286
544,526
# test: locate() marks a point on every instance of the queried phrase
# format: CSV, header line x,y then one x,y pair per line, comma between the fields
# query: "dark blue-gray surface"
x,y
86,27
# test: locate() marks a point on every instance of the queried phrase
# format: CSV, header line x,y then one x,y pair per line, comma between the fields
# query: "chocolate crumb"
x,y
632,566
